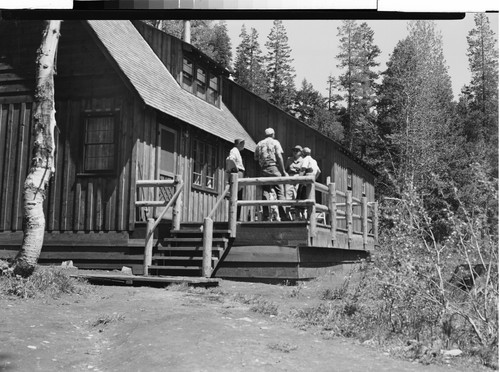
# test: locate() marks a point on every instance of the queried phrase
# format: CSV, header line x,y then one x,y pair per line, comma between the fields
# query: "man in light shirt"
x,y
234,164
269,154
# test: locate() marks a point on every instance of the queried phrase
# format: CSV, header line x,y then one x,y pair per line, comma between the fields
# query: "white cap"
x,y
306,150
269,131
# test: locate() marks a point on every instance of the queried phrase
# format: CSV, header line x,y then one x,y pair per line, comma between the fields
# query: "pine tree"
x,y
357,57
220,44
480,97
248,70
415,109
279,70
212,39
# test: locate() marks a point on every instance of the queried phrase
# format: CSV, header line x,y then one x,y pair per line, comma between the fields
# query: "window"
x,y
99,149
349,179
213,90
205,160
199,81
187,74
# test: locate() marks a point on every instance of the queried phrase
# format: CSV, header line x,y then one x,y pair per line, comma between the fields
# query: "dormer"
x,y
201,76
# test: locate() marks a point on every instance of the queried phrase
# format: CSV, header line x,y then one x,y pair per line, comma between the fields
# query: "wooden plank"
x,y
265,233
19,174
277,180
288,202
98,207
262,254
152,183
89,220
151,279
349,218
8,176
79,210
364,220
3,133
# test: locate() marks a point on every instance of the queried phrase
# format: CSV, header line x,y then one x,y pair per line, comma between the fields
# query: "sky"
x,y
314,44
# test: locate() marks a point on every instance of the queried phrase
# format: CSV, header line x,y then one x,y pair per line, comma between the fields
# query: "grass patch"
x,y
44,282
258,304
283,347
105,319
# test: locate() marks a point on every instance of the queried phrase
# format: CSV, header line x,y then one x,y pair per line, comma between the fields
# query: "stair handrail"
x,y
152,223
208,228
218,202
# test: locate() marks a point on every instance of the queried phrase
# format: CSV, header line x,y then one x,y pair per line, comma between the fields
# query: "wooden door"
x,y
166,157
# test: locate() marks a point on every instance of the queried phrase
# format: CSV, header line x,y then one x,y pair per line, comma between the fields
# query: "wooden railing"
x,y
152,223
331,209
208,231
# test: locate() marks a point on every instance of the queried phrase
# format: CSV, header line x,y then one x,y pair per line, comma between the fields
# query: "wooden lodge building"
x,y
145,119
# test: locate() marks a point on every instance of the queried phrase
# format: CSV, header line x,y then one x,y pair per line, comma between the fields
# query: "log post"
x,y
348,216
148,247
364,221
375,222
177,210
312,212
208,229
332,207
233,204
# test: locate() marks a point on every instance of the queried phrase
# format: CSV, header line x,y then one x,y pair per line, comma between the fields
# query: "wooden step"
x,y
197,231
198,249
181,258
193,240
157,267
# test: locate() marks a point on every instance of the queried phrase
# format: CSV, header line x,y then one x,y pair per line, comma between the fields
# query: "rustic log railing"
x,y
208,228
175,202
331,209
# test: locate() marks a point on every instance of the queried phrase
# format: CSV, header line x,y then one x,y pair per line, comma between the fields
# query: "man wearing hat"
x,y
309,167
269,154
292,167
234,164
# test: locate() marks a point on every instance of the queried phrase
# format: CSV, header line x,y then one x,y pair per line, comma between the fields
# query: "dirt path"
x,y
153,329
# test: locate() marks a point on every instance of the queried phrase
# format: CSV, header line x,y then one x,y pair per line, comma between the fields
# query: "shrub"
x,y
45,281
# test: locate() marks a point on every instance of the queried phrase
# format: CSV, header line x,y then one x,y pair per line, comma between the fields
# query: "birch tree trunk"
x,y
42,164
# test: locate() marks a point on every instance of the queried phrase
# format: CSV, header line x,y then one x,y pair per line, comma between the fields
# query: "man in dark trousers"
x,y
269,154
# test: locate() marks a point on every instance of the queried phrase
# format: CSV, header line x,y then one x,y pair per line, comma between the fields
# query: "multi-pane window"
x,y
199,81
213,90
99,151
187,74
349,179
205,161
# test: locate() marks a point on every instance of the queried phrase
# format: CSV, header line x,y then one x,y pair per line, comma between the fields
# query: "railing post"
x,y
375,222
364,221
348,216
177,210
148,247
208,228
233,204
332,207
312,211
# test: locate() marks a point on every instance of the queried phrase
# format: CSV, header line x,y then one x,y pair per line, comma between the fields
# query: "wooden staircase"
x,y
181,254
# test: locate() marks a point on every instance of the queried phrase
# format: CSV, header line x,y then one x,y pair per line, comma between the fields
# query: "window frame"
x,y
207,82
204,165
113,170
349,179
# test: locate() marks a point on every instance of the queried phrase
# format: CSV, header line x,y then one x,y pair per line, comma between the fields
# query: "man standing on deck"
x,y
269,154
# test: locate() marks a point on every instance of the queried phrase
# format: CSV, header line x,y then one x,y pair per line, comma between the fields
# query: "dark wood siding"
x,y
85,82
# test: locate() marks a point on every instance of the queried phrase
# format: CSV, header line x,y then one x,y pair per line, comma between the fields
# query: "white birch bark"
x,y
42,164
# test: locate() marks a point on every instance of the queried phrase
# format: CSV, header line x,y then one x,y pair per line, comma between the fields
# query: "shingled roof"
x,y
158,88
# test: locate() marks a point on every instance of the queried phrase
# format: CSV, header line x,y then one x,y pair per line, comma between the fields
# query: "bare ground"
x,y
118,328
